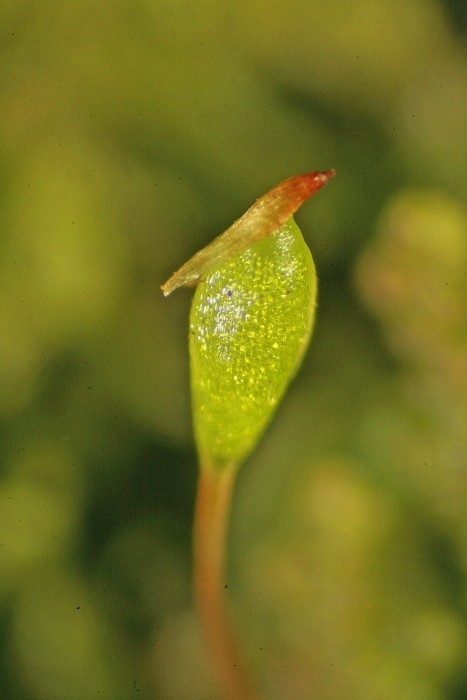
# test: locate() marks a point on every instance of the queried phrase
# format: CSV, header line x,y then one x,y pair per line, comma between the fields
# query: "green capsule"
x,y
250,323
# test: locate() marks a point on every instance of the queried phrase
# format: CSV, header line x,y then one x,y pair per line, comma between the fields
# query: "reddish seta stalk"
x,y
210,529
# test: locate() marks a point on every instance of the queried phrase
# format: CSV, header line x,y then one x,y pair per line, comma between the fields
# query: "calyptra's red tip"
x,y
321,177
308,183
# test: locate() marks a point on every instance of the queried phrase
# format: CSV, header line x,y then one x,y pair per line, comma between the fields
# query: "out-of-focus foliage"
x,y
131,133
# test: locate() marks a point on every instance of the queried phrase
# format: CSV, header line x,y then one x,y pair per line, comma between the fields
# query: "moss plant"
x,y
250,322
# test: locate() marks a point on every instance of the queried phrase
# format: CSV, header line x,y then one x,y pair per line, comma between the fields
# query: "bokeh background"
x,y
131,133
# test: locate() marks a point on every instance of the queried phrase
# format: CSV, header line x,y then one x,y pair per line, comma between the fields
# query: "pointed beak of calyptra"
x,y
322,177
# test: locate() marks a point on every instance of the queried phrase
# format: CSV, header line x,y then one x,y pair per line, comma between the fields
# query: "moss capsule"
x,y
250,322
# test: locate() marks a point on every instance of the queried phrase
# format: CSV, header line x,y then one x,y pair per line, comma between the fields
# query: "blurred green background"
x,y
131,133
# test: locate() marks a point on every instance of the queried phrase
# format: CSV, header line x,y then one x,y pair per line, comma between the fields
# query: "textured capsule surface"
x,y
250,321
